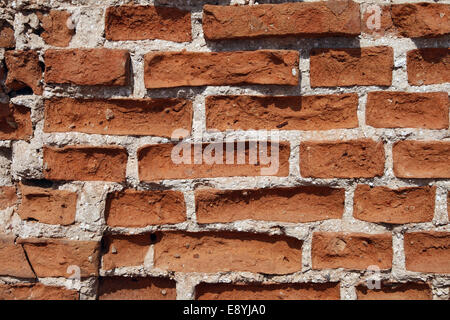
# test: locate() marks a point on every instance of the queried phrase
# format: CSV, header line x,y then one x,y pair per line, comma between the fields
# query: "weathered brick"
x,y
397,206
132,208
8,197
24,70
57,257
427,251
422,159
318,19
13,261
47,205
87,67
362,158
351,67
317,112
407,110
7,39
56,28
294,291
227,251
85,163
157,117
395,291
121,288
157,163
38,291
354,251
297,204
125,251
415,20
175,69
147,22
428,66
15,122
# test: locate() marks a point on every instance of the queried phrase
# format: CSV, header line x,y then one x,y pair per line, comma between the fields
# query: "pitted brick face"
x,y
230,149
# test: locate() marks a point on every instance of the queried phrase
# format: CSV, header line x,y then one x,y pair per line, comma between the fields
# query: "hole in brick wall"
x,y
42,183
21,92
153,238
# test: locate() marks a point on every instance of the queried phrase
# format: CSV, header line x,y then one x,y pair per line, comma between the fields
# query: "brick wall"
x,y
92,205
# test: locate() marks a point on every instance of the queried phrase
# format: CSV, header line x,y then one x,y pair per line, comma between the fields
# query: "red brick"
x,y
318,112
13,261
407,110
15,122
422,159
87,67
397,206
24,70
297,204
362,158
125,251
132,208
147,22
395,291
7,39
8,197
38,291
428,66
156,163
175,69
354,251
351,67
318,19
427,251
157,117
121,288
56,257
85,163
370,17
294,291
415,20
56,28
47,205
227,251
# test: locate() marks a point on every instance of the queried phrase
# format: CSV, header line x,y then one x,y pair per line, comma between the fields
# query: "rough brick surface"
x,y
288,19
397,206
157,117
427,251
175,69
13,261
354,251
87,67
222,252
351,67
36,291
8,197
121,288
395,291
56,28
47,205
15,122
407,110
123,250
57,257
428,66
362,158
147,22
422,159
132,208
300,291
7,39
155,161
85,163
301,204
24,70
321,112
